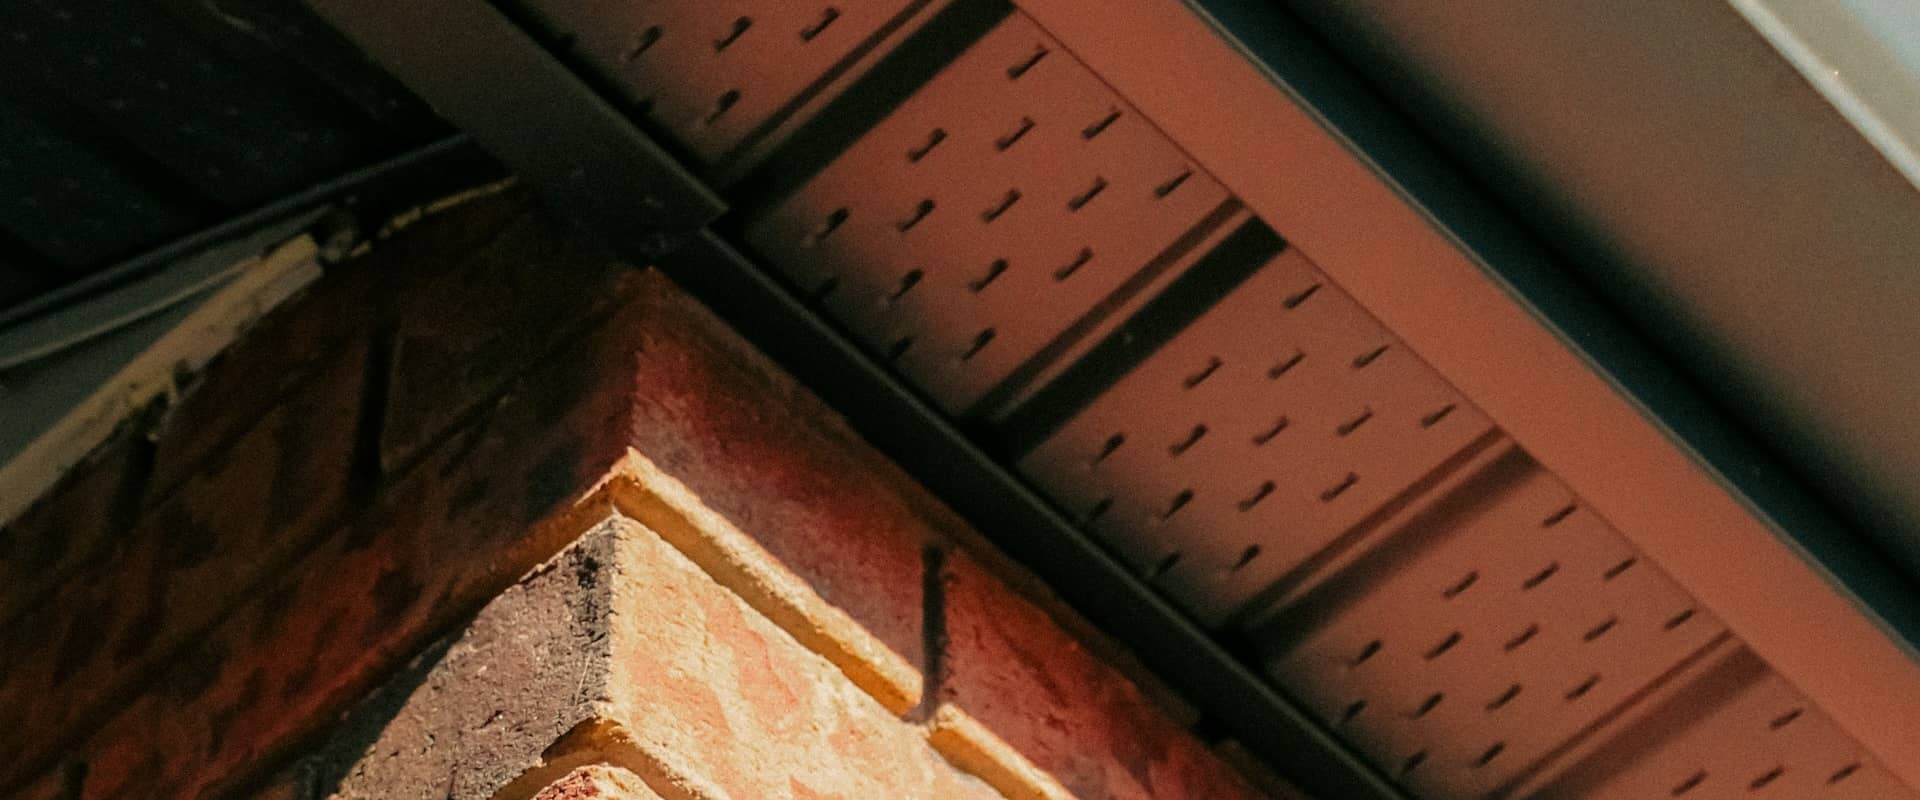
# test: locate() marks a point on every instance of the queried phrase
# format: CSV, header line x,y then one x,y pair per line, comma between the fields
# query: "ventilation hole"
x,y
1434,418
1522,637
1019,132
726,101
994,271
1585,686
1843,773
1412,763
1178,502
1785,719
647,39
920,212
899,348
1354,424
1556,517
1678,620
934,139
811,32
1617,570
1600,630
906,284
1462,585
1427,705
825,288
1541,576
832,223
1101,125
1294,301
1160,192
1340,488
1079,260
1098,510
1165,566
562,43
1691,783
1267,436
1246,557
1446,644
1205,372
1353,710
1192,438
1259,494
1765,778
1107,448
1369,357
1277,370
1368,651
1081,200
643,107
739,29
1012,196
1014,72
980,342
1490,754
1505,697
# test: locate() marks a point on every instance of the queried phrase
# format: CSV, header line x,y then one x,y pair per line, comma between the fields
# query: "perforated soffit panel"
x,y
1222,384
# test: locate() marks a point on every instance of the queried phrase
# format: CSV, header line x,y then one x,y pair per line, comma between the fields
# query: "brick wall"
x,y
487,513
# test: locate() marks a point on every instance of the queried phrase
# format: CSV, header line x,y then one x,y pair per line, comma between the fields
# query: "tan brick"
x,y
646,493
776,462
1014,670
598,781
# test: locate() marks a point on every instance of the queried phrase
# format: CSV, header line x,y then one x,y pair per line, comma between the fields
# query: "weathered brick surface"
x,y
306,335
268,496
768,646
77,521
454,532
721,696
625,652
771,458
461,335
1014,670
596,782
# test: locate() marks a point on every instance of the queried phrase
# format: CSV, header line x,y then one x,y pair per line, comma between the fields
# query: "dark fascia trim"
x,y
1308,71
495,81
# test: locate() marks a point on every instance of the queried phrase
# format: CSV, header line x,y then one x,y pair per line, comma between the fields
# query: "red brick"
x,y
266,498
1011,667
775,461
78,520
453,532
302,338
461,335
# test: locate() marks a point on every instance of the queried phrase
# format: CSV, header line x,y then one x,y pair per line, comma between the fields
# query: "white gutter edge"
x,y
257,284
